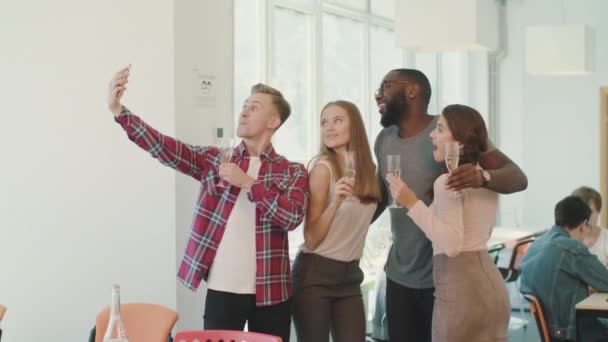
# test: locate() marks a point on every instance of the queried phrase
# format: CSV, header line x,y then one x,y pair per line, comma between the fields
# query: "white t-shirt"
x,y
234,265
600,248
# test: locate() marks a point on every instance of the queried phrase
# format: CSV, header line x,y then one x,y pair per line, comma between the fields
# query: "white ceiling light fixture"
x,y
559,50
446,25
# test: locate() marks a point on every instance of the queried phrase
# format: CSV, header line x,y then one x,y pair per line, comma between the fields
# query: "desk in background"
x,y
594,306
508,236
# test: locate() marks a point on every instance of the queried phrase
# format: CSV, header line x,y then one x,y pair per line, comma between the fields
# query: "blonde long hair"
x,y
366,182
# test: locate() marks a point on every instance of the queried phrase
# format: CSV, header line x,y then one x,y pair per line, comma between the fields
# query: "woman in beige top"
x,y
327,278
471,300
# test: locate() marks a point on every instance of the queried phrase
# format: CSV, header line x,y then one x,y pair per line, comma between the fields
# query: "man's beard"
x,y
394,110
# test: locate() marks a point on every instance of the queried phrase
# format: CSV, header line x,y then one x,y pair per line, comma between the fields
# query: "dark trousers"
x,y
327,298
230,311
409,313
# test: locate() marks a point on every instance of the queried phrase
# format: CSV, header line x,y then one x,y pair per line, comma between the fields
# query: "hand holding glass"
x,y
393,167
350,165
452,158
226,146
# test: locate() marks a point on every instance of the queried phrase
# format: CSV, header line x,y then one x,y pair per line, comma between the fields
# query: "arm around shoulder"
x,y
506,176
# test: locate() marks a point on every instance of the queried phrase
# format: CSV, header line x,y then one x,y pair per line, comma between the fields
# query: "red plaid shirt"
x,y
279,193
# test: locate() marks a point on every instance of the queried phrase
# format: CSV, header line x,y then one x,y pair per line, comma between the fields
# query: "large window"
x,y
291,72
315,52
343,73
384,56
246,43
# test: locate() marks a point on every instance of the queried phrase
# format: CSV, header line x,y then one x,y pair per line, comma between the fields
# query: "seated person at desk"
x,y
558,269
597,238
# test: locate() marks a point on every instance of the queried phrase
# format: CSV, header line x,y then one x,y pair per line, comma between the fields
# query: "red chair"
x,y
223,335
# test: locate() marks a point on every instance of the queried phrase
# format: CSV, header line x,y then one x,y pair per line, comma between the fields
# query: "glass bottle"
x,y
116,331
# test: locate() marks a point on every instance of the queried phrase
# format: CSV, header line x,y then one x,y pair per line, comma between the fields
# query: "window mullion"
x,y
317,78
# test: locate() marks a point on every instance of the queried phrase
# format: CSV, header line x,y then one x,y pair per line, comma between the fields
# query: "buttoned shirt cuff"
x,y
123,112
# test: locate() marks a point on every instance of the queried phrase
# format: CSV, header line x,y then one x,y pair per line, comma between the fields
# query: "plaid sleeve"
x,y
188,159
287,209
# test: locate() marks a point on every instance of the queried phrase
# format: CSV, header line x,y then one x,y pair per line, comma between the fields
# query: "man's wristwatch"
x,y
486,177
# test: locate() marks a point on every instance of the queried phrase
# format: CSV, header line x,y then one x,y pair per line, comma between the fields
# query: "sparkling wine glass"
x,y
393,167
226,146
452,157
350,165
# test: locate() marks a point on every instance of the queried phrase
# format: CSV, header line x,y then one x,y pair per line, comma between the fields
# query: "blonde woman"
x,y
327,278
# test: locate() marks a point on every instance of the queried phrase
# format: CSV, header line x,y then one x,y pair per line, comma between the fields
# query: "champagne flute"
x,y
350,165
226,146
393,167
452,158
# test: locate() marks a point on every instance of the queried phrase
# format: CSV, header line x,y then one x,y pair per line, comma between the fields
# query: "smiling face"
x,y
440,136
391,98
258,116
335,127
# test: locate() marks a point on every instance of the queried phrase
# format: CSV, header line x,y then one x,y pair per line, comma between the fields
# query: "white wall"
x,y
203,41
81,207
550,124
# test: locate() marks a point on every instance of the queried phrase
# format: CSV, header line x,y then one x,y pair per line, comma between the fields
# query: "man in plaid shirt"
x,y
238,241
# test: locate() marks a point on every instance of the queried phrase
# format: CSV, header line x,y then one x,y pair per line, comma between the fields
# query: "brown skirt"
x,y
471,300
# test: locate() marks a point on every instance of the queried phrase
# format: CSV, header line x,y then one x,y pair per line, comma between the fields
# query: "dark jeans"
x,y
409,312
230,311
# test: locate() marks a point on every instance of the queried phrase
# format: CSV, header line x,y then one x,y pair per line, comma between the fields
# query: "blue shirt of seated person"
x,y
558,269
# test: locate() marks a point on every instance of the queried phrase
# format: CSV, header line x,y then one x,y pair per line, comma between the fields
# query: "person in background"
x,y
471,300
597,239
559,269
245,208
343,197
403,99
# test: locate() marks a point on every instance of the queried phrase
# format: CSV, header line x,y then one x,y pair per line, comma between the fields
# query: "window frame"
x,y
316,8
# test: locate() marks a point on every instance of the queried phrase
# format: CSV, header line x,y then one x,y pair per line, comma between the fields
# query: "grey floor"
x,y
518,333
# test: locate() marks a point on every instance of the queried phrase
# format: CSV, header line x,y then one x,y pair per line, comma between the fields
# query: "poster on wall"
x,y
204,90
